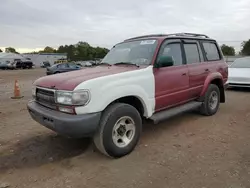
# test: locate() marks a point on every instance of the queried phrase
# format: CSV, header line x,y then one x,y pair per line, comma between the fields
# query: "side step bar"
x,y
163,115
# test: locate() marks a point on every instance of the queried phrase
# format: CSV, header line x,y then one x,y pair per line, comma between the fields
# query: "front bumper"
x,y
75,126
49,72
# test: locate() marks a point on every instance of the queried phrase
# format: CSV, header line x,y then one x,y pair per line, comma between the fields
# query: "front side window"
x,y
136,52
173,50
192,53
211,51
63,66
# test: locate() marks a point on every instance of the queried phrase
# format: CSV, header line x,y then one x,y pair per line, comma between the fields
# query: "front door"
x,y
171,83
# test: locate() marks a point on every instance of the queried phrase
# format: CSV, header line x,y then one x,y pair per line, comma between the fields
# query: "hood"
x,y
239,72
69,80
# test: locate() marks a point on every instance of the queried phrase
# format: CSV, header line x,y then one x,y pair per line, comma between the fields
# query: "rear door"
x,y
214,58
197,67
171,83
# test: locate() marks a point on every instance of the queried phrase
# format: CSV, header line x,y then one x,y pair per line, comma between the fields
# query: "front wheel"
x,y
211,101
119,131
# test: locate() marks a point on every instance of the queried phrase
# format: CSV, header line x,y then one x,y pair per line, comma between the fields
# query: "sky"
x,y
29,25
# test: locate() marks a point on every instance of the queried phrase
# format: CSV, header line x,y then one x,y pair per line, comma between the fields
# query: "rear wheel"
x,y
211,101
119,131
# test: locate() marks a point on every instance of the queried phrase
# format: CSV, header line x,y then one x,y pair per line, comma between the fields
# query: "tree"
x,y
228,50
245,48
48,49
79,51
1,50
10,50
82,51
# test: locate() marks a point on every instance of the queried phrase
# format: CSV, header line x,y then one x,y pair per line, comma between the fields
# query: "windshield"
x,y
136,52
241,63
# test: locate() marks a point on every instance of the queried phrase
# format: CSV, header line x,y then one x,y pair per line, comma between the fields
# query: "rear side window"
x,y
192,53
211,51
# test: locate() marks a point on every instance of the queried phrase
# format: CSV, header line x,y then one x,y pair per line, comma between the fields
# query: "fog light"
x,y
66,110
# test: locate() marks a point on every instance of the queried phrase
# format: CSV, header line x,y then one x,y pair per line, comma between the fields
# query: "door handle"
x,y
184,74
206,70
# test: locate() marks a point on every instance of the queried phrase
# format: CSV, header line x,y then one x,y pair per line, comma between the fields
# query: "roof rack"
x,y
173,34
188,34
144,36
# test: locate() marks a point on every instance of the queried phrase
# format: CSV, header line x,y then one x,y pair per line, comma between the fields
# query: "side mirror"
x,y
164,61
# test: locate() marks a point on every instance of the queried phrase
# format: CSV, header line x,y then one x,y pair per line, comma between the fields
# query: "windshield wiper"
x,y
126,63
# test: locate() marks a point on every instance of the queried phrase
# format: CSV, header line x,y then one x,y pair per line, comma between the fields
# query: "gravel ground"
x,y
186,151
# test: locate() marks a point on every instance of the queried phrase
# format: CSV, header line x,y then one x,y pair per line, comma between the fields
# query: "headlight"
x,y
78,98
33,91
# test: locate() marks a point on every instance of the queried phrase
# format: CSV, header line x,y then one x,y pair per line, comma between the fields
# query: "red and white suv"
x,y
152,77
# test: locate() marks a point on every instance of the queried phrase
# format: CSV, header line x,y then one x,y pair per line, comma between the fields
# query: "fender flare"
x,y
209,79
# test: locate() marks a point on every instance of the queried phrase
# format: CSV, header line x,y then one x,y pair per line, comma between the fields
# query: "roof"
x,y
174,35
10,55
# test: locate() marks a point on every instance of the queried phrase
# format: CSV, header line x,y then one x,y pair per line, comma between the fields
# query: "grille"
x,y
46,98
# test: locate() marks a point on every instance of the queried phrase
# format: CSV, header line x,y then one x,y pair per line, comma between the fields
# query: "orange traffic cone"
x,y
17,93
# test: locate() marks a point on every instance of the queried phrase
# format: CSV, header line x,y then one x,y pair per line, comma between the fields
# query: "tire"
x,y
105,138
208,108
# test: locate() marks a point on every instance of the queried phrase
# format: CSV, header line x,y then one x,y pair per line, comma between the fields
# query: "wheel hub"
x,y
213,100
123,131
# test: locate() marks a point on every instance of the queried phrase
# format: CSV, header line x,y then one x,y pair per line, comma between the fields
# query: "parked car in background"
x,y
45,64
23,64
239,73
6,66
62,67
147,77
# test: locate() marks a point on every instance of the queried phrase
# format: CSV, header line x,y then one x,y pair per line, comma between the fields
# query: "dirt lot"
x,y
186,151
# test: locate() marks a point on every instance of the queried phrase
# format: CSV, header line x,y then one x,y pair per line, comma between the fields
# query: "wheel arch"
x,y
134,101
214,78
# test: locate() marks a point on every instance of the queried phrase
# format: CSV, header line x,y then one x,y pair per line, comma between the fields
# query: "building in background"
x,y
38,59
11,57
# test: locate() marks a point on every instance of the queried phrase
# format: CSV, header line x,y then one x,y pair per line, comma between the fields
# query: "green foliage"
x,y
48,49
82,51
245,48
228,50
10,50
77,52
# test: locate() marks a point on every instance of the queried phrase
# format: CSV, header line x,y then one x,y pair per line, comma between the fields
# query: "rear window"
x,y
211,51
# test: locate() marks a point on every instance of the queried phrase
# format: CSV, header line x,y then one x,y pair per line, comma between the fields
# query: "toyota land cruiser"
x,y
152,77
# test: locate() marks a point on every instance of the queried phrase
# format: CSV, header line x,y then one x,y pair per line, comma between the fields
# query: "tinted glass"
x,y
72,66
211,51
140,52
173,50
192,53
63,66
241,63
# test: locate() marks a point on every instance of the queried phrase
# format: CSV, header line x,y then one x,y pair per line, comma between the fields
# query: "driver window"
x,y
173,50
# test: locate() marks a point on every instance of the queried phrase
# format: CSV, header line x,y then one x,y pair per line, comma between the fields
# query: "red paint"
x,y
171,86
179,84
68,81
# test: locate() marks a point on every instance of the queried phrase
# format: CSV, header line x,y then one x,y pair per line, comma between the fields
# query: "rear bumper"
x,y
75,126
